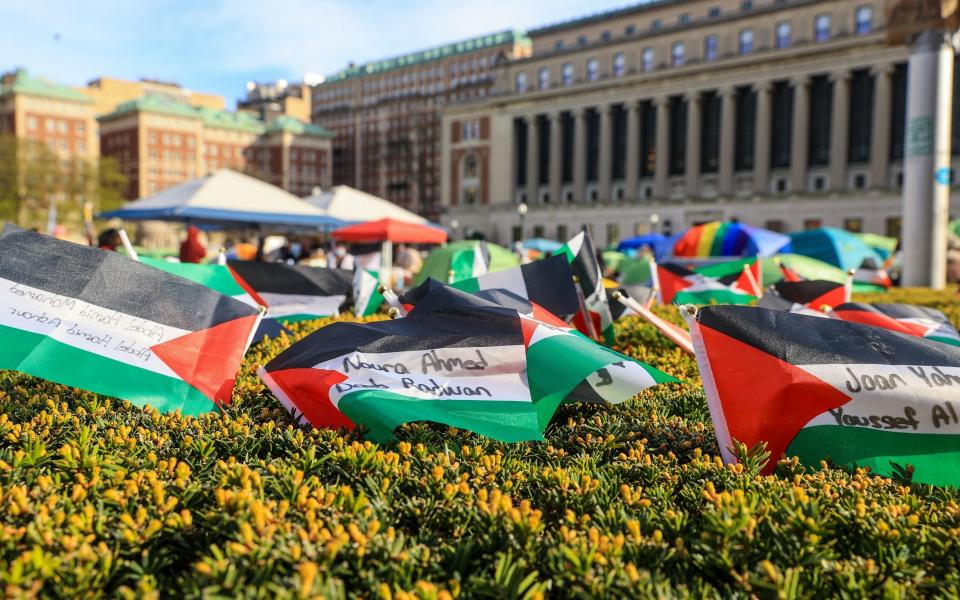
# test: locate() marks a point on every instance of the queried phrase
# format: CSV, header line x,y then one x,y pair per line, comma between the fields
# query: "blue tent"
x,y
227,199
541,245
660,245
833,246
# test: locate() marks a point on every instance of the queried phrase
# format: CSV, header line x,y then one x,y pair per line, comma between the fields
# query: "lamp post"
x,y
654,221
522,209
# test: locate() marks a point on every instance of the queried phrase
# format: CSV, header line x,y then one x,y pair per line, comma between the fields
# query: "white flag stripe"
x,y
492,373
282,305
86,326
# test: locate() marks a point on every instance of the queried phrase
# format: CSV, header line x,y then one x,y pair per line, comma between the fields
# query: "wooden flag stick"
x,y
584,311
651,297
848,285
753,280
222,256
676,335
127,245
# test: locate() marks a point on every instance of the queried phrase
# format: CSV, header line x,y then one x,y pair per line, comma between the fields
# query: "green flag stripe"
x,y
936,457
216,277
708,296
382,411
944,340
44,357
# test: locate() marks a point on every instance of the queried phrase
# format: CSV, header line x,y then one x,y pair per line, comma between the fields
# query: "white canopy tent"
x,y
354,206
227,198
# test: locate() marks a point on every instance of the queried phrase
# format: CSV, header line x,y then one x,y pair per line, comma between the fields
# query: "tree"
x,y
38,188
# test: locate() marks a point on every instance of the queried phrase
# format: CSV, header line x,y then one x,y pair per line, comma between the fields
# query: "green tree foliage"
x,y
34,180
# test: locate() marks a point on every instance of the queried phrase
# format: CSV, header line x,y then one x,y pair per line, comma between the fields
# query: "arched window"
x,y
593,69
566,74
619,64
521,83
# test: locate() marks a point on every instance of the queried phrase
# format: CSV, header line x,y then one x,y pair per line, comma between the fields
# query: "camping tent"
x,y
227,199
728,238
389,232
463,259
354,206
836,247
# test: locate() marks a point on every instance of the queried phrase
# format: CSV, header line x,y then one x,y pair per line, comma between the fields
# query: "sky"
x,y
219,45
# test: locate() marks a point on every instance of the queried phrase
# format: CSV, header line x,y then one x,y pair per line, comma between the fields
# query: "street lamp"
x,y
654,221
522,209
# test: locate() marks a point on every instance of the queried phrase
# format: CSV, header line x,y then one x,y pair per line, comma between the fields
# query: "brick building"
x,y
158,142
38,109
386,115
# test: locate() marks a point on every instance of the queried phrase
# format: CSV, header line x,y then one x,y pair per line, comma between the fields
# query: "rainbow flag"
x,y
725,238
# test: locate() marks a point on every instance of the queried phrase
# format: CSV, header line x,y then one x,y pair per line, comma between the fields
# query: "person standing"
x,y
191,250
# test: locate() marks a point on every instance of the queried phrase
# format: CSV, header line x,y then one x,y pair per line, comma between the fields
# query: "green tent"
x,y
883,245
460,259
612,259
804,266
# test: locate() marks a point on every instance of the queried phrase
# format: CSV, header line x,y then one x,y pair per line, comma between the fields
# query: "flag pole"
x,y
676,335
656,279
127,245
587,319
760,274
848,285
651,297
753,280
391,297
222,256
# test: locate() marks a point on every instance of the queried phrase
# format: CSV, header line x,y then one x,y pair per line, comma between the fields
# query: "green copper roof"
x,y
415,58
223,119
154,103
296,127
602,16
23,83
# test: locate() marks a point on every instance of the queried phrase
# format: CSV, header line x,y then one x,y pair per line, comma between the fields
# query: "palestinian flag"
x,y
680,285
470,262
294,293
366,293
872,274
920,321
808,297
788,273
547,282
826,389
583,262
215,277
456,359
98,321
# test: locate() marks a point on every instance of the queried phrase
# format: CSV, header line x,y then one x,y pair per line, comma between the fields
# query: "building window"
x,y
593,69
521,82
863,20
710,48
470,180
684,18
619,64
821,110
630,30
613,233
678,54
558,45
783,34
853,224
79,129
746,41
648,138
605,36
543,78
812,223
50,125
861,116
898,111
566,74
821,28
746,5
647,57
656,24
562,235
893,227
774,225
678,136
582,40
471,130
31,123
710,133
745,128
713,12
781,108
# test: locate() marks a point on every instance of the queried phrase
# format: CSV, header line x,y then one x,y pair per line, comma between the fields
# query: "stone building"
x,y
787,114
158,142
386,115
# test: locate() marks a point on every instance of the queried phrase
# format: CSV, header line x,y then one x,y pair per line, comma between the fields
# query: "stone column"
x,y
840,130
604,162
800,132
661,167
556,156
880,144
533,158
728,118
693,144
579,153
632,158
761,148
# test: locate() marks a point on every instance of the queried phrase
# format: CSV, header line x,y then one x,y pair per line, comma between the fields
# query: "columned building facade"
x,y
786,114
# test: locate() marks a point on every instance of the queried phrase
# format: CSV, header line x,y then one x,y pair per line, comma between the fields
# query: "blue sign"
x,y
943,176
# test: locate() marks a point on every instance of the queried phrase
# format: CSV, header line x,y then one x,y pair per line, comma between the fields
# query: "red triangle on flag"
x,y
765,399
670,283
209,359
314,385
